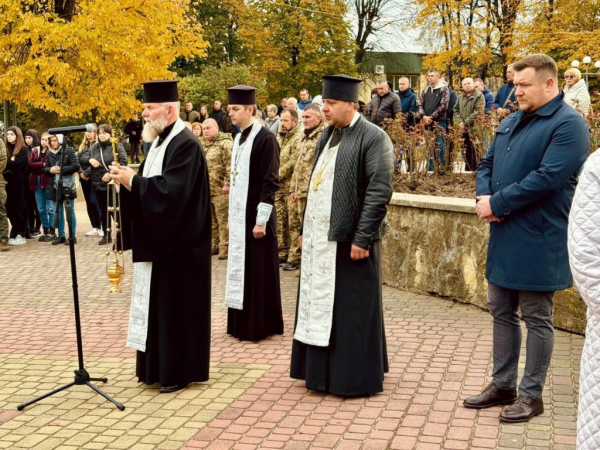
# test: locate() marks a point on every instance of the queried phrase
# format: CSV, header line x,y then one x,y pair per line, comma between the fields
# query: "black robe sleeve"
x,y
269,165
170,210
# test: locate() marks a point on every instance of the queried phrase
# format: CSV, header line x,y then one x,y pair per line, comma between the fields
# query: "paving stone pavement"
x,y
439,352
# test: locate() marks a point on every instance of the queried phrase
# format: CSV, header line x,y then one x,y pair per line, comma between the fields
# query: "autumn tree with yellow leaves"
x,y
76,57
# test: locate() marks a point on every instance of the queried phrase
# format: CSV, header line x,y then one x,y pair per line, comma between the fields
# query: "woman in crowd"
x,y
272,120
197,129
38,182
32,141
15,175
576,92
101,157
91,202
203,114
70,167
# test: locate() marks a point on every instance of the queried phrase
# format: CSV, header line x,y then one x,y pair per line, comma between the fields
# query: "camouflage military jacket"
x,y
305,161
218,160
289,143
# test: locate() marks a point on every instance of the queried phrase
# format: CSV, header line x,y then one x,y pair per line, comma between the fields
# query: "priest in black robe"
x,y
252,292
167,224
339,337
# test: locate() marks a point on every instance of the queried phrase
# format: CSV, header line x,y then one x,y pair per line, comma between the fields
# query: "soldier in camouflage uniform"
x,y
288,222
217,149
313,128
3,219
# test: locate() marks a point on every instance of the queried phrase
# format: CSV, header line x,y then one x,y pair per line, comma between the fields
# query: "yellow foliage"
x,y
96,60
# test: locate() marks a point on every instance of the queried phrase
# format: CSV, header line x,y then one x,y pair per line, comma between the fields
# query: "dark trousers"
x,y
91,203
536,312
470,155
103,203
134,150
33,214
16,209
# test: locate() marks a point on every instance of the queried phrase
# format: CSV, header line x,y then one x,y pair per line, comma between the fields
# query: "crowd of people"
x,y
305,187
38,172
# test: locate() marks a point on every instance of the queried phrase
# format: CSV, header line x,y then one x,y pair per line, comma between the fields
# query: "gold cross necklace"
x,y
319,176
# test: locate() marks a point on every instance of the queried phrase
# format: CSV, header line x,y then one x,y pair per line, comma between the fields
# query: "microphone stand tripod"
x,y
65,197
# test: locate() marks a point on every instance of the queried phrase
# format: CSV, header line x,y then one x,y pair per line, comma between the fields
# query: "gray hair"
x,y
271,108
293,100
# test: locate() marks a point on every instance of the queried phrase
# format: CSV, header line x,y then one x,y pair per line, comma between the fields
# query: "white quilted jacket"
x,y
584,256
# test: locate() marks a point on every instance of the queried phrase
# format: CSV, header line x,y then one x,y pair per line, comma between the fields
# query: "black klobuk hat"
x,y
341,87
241,95
161,91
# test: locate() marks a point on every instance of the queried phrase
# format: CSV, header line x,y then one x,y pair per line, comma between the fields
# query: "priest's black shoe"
x,y
522,410
282,261
170,389
291,266
491,396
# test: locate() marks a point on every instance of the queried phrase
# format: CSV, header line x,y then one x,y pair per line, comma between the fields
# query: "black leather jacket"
x,y
362,187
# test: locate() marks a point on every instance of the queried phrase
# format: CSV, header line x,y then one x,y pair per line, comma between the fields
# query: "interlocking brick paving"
x,y
440,352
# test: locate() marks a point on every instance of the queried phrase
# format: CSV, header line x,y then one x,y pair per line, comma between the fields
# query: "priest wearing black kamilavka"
x,y
339,338
252,292
167,224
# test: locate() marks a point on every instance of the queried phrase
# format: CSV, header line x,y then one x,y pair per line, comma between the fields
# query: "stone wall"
x,y
438,245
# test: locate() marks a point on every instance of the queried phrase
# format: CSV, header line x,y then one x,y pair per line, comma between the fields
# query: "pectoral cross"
x,y
317,181
234,173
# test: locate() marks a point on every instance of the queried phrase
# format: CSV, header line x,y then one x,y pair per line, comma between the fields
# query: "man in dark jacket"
x,y
408,99
433,110
339,341
525,185
385,105
218,114
505,98
133,129
487,95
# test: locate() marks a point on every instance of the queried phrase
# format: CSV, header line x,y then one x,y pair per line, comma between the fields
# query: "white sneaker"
x,y
100,233
19,240
11,241
92,232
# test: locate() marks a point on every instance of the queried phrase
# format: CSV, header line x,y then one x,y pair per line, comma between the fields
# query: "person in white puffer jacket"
x,y
576,92
584,258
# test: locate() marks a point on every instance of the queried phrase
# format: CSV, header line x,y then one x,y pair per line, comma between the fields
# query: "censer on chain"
x,y
115,264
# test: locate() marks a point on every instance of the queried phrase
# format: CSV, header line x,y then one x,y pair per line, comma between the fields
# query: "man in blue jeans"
x,y
525,185
433,110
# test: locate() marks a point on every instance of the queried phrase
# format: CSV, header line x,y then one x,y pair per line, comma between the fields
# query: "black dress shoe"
x,y
291,266
170,389
282,261
74,241
491,396
522,410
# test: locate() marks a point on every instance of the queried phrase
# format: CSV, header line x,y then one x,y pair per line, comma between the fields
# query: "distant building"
x,y
392,66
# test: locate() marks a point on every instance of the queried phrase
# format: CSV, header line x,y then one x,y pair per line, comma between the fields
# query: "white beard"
x,y
153,129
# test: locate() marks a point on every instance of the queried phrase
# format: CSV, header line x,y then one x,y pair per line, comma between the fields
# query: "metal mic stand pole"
x,y
81,375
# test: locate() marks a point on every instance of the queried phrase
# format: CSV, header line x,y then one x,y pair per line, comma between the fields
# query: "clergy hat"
x,y
241,95
161,91
341,87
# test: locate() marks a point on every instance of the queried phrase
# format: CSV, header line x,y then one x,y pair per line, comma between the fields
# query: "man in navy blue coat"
x,y
505,98
525,185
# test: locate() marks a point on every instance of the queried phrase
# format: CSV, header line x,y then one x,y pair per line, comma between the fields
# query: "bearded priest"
x,y
167,224
252,287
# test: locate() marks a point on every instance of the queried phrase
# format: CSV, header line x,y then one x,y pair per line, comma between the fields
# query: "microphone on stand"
x,y
88,128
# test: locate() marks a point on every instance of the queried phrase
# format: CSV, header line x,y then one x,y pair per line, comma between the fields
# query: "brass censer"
x,y
115,265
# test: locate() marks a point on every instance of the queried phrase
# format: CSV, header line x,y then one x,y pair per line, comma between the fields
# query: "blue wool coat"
x,y
531,172
489,99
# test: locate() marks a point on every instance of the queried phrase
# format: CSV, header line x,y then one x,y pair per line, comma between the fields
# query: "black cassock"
x,y
356,359
170,223
262,315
